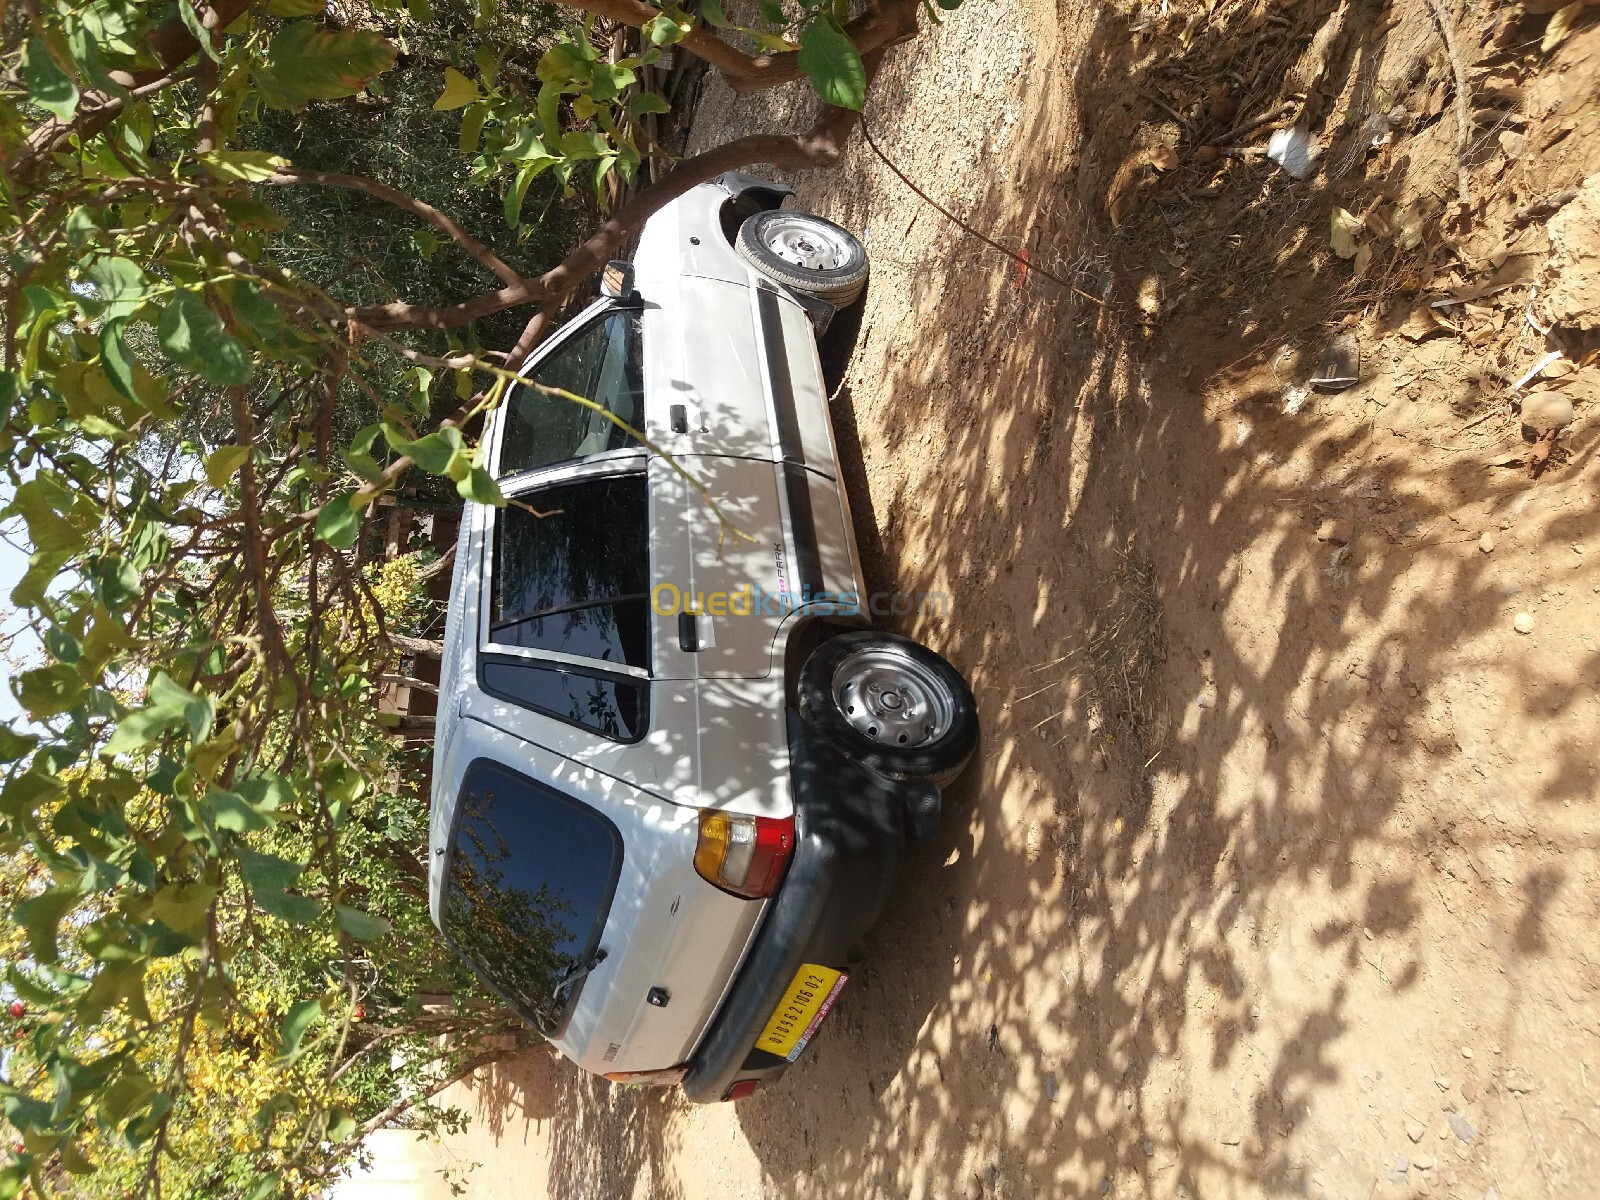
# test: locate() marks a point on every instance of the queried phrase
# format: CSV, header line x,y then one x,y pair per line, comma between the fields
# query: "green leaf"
x,y
432,453
646,102
49,690
246,166
229,811
267,871
561,63
772,11
828,58
610,81
48,85
299,1019
119,285
166,707
664,30
223,463
41,917
550,110
949,5
286,906
191,22
359,925
480,486
192,336
41,501
267,1186
579,145
711,10
459,91
338,523
115,361
472,128
340,1125
305,62
182,907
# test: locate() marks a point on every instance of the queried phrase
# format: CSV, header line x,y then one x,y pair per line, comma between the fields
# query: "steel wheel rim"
x,y
805,243
890,697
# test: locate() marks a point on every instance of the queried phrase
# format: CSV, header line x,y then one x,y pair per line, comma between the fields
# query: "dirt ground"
x,y
1279,873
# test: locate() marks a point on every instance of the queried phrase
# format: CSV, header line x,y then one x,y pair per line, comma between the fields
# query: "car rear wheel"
x,y
806,253
890,704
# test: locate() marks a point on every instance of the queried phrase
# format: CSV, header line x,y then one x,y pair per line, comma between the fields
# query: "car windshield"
x,y
528,885
603,363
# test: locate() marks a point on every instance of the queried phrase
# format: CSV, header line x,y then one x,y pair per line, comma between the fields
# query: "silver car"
x,y
675,767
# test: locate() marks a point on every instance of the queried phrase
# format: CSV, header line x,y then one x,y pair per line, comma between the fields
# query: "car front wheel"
x,y
806,253
890,704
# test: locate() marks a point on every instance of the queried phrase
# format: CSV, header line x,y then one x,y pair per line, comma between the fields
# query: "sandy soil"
x,y
1278,874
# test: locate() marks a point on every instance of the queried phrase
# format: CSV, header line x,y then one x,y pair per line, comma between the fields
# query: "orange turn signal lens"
x,y
743,855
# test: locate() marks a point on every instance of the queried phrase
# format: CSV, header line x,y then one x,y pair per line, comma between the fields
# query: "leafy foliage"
x,y
223,343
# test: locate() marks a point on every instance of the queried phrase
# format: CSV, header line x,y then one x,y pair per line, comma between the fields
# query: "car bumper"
x,y
850,828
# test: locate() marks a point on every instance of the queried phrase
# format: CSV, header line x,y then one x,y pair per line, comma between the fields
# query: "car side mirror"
x,y
616,281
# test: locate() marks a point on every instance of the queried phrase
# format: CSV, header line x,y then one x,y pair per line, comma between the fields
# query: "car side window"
x,y
571,571
603,363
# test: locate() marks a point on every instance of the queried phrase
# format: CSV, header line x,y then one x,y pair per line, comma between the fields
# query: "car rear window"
x,y
571,571
528,884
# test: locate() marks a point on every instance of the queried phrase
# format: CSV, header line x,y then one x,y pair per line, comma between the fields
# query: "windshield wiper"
x,y
577,973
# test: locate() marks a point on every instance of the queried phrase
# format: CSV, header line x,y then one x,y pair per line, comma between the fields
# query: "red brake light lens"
x,y
745,1087
743,855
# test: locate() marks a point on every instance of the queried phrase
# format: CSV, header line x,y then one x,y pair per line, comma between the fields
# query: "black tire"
x,y
856,671
839,283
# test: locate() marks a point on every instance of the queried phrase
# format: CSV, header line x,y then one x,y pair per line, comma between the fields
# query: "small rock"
x,y
1149,1149
1486,542
1203,700
1492,1194
1462,1127
1397,1172
1205,155
1105,1184
1415,1130
1337,532
1052,1086
991,1175
1442,1083
1466,1052
1516,1081
1522,623
1545,411
1394,735
1423,1162
1510,588
1230,1139
1469,1090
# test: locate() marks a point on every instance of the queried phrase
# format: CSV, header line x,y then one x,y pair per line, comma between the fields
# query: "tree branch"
x,y
401,1106
480,253
819,146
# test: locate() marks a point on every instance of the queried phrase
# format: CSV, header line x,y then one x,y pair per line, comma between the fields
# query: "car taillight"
x,y
745,1087
743,855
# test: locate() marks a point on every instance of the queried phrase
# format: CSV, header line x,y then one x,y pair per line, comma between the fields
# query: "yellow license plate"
x,y
810,996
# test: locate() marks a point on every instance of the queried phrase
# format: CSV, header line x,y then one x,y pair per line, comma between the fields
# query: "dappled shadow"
x,y
1213,930
1241,895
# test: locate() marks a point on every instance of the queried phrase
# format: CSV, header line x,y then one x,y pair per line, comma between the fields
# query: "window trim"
x,y
571,331
628,462
597,932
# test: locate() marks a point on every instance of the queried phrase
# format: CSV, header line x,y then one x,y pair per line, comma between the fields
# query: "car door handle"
x,y
695,633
